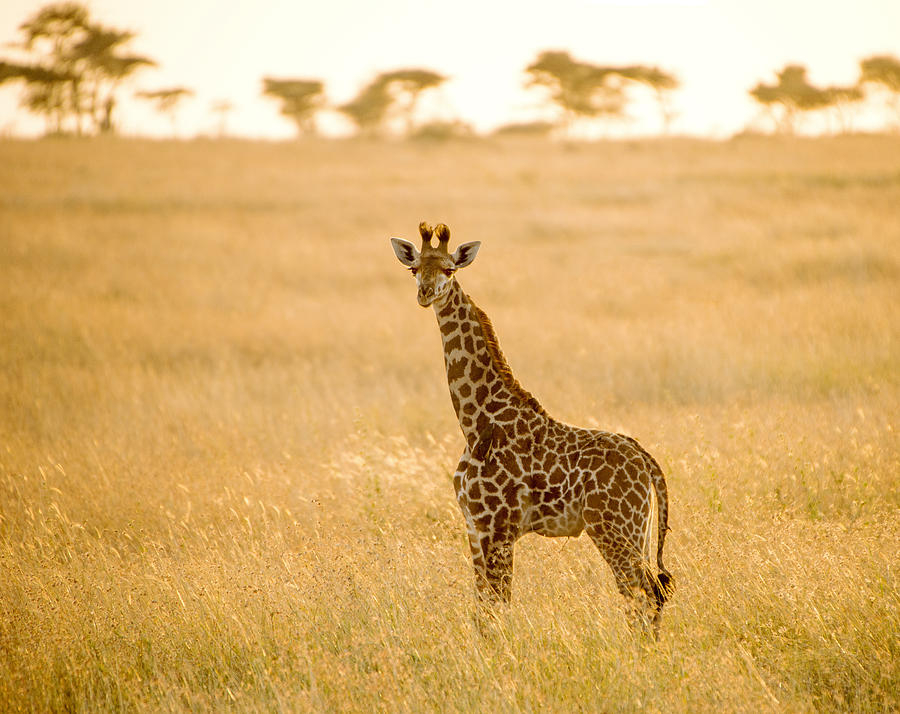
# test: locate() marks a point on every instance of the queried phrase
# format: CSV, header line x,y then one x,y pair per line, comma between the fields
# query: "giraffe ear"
x,y
406,252
465,254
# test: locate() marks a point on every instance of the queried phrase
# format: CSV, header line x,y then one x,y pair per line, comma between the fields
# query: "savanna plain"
x,y
226,440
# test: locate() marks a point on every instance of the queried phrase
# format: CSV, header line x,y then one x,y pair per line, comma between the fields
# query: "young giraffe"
x,y
522,471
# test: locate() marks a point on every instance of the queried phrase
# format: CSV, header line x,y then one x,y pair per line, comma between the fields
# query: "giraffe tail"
x,y
663,585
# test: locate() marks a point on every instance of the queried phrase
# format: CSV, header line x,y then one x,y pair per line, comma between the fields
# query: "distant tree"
x,y
661,83
406,87
842,101
43,89
390,95
883,72
50,36
300,100
103,70
167,101
789,97
222,108
75,67
369,108
587,91
580,89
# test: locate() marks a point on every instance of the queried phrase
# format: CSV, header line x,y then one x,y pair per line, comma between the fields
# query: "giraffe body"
x,y
522,471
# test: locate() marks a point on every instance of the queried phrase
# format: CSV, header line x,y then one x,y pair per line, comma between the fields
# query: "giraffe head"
x,y
433,266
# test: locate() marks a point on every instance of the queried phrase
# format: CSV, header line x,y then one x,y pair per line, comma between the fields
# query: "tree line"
x,y
580,90
76,69
792,96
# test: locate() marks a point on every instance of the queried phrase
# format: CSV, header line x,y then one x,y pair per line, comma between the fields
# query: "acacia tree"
x,y
789,97
405,87
662,84
103,71
50,36
49,83
587,91
580,89
369,108
300,100
882,72
390,95
842,100
74,67
167,101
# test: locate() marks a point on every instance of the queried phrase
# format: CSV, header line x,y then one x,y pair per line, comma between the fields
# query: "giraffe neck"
x,y
482,387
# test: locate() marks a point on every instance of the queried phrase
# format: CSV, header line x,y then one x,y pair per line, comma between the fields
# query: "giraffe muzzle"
x,y
425,296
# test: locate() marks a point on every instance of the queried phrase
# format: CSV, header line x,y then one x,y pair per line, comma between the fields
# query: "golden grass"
x,y
226,443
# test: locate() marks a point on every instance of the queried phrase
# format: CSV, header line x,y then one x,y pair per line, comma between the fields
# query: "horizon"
x,y
723,49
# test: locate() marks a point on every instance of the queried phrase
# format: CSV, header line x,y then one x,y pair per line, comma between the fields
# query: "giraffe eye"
x,y
413,270
448,272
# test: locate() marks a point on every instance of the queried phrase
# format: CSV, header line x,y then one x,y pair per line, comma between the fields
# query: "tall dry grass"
x,y
225,438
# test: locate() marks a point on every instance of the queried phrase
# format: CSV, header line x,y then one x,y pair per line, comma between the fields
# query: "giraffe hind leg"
x,y
642,593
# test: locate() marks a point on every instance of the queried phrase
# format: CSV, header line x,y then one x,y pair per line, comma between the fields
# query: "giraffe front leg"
x,y
491,548
492,558
485,611
483,592
499,568
492,562
478,535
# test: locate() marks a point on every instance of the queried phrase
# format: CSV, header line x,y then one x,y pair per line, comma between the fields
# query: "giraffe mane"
x,y
500,364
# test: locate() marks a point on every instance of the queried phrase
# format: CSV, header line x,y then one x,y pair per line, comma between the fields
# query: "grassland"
x,y
226,442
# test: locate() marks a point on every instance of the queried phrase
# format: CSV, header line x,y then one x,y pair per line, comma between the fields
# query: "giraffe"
x,y
522,471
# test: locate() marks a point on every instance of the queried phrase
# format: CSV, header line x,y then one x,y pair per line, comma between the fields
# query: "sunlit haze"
x,y
718,49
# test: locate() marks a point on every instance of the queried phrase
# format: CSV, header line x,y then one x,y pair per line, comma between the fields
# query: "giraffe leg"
x,y
633,580
492,559
478,565
499,568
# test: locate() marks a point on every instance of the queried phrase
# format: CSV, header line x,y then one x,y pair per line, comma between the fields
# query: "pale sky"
x,y
717,48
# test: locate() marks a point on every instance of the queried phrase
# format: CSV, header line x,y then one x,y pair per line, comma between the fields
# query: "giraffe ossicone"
x,y
522,471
